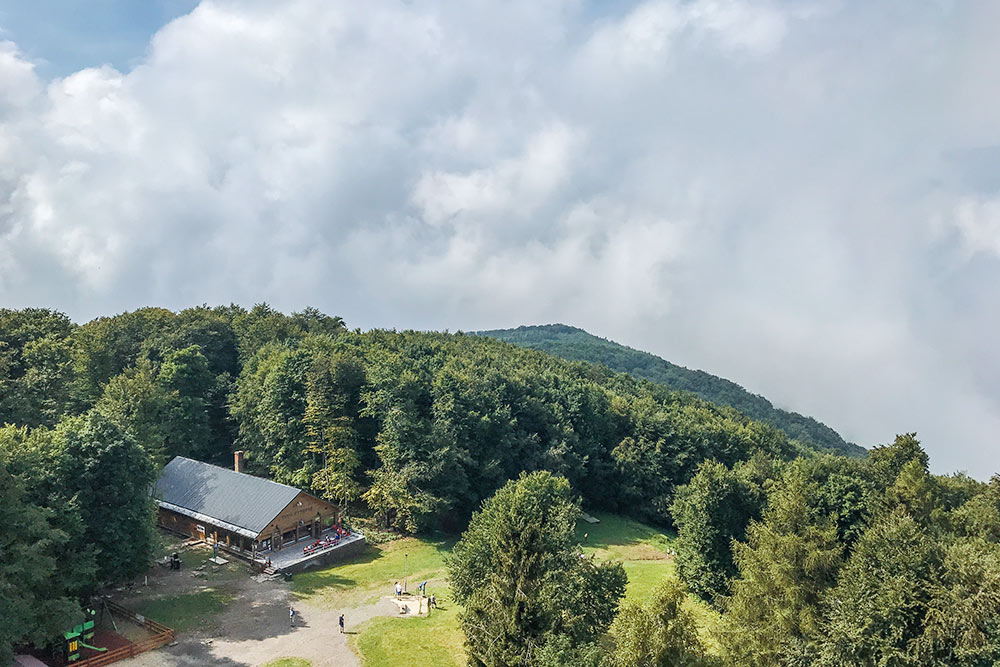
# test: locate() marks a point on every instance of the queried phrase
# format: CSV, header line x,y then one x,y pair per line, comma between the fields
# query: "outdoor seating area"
x,y
334,541
327,542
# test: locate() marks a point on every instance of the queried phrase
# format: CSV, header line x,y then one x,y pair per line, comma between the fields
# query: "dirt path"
x,y
259,633
253,628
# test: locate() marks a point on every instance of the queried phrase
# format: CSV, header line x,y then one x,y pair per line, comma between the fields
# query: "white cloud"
x,y
516,185
20,85
978,224
739,25
739,185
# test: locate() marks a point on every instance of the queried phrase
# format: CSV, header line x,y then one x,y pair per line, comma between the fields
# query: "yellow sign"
x,y
72,647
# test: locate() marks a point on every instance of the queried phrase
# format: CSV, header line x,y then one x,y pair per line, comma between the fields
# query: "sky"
x,y
803,197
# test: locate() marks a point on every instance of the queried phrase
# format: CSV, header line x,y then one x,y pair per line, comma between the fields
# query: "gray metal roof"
x,y
227,496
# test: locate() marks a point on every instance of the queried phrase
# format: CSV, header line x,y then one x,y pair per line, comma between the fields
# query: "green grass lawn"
x,y
640,548
436,641
374,574
433,641
187,610
289,662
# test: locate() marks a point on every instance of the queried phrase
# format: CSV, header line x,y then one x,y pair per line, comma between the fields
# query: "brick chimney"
x,y
238,461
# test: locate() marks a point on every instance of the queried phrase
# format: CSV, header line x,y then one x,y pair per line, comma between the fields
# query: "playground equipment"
x,y
77,637
67,649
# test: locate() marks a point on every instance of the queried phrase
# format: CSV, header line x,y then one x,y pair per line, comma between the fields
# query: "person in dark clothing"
x,y
341,624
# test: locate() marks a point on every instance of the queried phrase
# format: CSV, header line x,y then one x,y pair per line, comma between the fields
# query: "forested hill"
x,y
578,345
416,428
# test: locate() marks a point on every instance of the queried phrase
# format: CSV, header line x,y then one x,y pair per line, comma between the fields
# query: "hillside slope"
x,y
578,345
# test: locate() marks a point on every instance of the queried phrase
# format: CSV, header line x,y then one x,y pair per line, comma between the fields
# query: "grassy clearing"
x,y
288,662
373,575
434,641
623,538
641,549
187,610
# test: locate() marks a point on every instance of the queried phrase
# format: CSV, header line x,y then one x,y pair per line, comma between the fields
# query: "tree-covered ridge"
x,y
417,427
578,345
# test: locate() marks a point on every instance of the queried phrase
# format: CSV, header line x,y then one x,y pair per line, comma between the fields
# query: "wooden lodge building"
x,y
243,512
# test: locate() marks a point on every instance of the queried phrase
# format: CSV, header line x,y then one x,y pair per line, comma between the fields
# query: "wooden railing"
x,y
161,635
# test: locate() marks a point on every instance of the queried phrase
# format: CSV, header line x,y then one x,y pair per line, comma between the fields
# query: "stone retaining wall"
x,y
342,552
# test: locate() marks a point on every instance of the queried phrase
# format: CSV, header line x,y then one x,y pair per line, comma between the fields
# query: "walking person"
x,y
341,624
399,589
291,617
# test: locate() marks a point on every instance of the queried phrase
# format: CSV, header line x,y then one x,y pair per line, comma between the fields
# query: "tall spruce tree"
x,y
522,581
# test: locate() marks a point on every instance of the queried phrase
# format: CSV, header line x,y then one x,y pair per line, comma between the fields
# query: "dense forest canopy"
x,y
420,427
416,430
578,345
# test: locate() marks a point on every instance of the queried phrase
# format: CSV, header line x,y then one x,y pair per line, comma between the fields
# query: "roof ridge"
x,y
240,499
245,474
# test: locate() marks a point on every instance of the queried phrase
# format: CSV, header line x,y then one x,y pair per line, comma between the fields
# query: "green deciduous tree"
x,y
34,608
962,622
980,515
269,406
35,366
333,390
137,404
887,461
711,512
105,347
108,474
876,612
188,387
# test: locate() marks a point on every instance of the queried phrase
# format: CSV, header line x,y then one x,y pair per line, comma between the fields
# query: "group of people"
x,y
318,545
431,602
330,541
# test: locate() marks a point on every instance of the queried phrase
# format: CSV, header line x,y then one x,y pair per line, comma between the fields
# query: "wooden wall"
x,y
185,525
180,524
304,508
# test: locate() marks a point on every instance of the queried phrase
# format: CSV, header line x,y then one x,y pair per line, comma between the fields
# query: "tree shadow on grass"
x,y
310,581
305,587
620,531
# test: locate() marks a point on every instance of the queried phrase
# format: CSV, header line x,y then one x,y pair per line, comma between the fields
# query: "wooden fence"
x,y
161,635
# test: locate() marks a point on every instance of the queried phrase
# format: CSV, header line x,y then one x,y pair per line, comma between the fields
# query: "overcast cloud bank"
x,y
803,197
